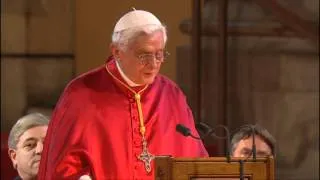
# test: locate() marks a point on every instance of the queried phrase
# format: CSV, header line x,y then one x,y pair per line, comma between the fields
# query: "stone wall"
x,y
273,81
279,90
287,104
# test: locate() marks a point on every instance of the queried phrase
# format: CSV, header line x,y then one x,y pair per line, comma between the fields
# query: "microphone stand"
x,y
210,132
241,169
254,150
228,142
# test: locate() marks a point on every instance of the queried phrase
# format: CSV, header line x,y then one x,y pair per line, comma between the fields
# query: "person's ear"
x,y
13,156
115,51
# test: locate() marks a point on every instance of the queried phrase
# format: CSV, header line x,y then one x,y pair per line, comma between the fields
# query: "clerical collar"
x,y
130,83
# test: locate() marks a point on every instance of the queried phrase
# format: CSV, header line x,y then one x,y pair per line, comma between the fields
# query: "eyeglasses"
x,y
149,57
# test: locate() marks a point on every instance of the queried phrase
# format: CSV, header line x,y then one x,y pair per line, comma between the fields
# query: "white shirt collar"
x,y
130,83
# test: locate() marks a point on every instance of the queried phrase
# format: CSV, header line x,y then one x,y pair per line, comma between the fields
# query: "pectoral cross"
x,y
145,156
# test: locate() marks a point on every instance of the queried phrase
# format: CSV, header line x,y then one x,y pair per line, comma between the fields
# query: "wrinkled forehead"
x,y
143,40
259,142
37,132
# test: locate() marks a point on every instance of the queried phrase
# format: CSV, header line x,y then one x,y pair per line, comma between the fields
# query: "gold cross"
x,y
145,156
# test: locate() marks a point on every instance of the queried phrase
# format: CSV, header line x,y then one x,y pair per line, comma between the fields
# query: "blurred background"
x,y
257,62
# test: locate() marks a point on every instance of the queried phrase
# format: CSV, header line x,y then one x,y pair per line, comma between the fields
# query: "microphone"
x,y
207,130
185,131
254,150
204,129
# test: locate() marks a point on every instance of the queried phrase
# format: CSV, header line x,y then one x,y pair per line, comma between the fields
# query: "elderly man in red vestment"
x,y
112,121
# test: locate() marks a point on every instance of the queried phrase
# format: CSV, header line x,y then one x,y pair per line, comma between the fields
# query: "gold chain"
x,y
137,97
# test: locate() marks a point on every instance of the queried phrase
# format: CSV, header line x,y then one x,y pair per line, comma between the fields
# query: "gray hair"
x,y
23,124
123,38
247,131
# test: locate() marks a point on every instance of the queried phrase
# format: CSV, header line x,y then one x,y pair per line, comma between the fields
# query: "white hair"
x,y
123,38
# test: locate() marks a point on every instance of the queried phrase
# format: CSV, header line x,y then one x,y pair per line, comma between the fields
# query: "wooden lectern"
x,y
213,168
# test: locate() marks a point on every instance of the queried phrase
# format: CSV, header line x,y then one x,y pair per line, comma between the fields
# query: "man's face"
x,y
244,148
26,157
130,59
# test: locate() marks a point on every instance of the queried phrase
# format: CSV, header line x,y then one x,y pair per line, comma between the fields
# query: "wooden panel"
x,y
13,92
51,31
51,75
213,168
13,33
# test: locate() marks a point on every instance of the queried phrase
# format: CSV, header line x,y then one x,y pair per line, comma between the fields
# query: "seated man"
x,y
25,144
242,142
